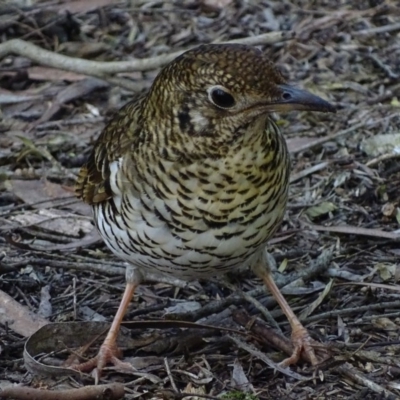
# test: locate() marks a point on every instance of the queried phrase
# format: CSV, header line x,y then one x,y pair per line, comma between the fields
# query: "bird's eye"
x,y
221,99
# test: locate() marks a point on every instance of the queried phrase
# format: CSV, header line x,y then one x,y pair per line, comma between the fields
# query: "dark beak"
x,y
292,98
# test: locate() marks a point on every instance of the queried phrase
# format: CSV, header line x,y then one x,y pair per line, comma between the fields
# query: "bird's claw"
x,y
108,354
302,342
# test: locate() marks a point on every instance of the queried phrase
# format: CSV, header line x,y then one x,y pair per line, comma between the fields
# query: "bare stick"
x,y
102,69
358,378
112,391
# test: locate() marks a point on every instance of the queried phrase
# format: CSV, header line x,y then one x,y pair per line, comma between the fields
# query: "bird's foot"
x,y
302,342
108,353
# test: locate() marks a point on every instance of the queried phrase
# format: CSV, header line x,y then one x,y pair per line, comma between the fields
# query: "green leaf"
x,y
321,209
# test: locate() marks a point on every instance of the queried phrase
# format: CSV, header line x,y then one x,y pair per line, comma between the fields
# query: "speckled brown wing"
x,y
93,185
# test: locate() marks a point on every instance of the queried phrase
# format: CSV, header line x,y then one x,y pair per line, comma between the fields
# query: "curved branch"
x,y
102,69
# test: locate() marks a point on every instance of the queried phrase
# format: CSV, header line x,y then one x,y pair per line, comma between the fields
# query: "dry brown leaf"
x,y
53,220
17,317
45,194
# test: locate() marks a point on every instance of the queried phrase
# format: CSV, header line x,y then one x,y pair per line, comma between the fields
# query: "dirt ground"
x,y
338,246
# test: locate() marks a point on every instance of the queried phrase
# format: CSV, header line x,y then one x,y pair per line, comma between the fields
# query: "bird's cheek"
x,y
198,120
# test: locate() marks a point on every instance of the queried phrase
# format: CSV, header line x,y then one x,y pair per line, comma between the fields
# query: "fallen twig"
x,y
263,331
352,310
113,391
356,230
358,378
261,356
104,70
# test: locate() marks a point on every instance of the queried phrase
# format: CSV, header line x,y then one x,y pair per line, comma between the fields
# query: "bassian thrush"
x,y
191,180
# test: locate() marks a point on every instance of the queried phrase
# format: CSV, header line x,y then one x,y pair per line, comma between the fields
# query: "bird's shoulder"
x,y
119,135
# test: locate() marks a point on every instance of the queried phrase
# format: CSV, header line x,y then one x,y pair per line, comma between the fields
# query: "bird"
x,y
191,179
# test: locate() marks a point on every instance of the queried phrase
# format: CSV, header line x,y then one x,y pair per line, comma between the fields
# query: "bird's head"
x,y
214,92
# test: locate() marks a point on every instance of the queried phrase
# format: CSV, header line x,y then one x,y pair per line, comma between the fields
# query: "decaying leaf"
x,y
387,271
183,307
54,220
18,317
381,144
321,209
385,324
239,378
190,388
44,194
389,209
